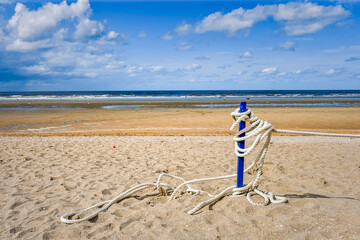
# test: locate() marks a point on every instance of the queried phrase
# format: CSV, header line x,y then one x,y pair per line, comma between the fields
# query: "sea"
x,y
178,95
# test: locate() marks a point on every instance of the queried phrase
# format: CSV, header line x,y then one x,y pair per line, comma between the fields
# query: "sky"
x,y
179,45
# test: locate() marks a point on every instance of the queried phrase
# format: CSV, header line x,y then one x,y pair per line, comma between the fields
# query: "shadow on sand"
x,y
313,195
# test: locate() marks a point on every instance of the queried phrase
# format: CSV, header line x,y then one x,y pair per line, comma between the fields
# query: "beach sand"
x,y
169,121
43,176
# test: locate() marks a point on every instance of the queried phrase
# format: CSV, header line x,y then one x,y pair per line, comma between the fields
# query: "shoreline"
x,y
168,103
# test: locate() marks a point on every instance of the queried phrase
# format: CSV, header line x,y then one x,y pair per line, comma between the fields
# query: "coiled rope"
x,y
259,129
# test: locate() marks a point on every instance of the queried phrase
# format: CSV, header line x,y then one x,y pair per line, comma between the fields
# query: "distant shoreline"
x,y
221,103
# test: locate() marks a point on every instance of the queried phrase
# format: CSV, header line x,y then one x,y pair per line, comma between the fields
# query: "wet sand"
x,y
184,103
168,120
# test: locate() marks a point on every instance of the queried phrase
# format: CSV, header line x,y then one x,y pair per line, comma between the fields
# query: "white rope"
x,y
259,129
317,133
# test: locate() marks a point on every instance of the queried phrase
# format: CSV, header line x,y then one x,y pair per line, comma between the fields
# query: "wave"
x,y
178,95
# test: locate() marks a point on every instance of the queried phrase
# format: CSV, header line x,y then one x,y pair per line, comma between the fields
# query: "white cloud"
x,y
239,73
269,70
167,36
192,67
305,18
183,46
134,69
111,38
288,46
19,45
183,29
157,68
233,21
142,34
41,28
89,29
246,54
39,68
333,71
115,65
91,74
298,17
42,23
74,60
112,35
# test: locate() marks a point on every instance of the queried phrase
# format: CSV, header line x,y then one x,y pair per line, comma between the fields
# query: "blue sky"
x,y
175,45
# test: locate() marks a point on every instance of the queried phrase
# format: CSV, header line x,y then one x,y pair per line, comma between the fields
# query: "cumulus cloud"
x,y
183,29
41,28
235,20
42,23
192,67
157,68
298,18
115,64
304,18
288,46
67,40
246,54
167,36
19,45
87,29
332,71
112,38
269,70
71,60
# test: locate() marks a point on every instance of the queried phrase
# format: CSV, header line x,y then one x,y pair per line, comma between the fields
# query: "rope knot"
x,y
255,185
237,192
161,190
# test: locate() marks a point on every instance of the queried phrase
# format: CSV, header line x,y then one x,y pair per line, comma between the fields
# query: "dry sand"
x,y
42,178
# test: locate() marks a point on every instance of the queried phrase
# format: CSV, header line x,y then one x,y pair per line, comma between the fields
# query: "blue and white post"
x,y
241,144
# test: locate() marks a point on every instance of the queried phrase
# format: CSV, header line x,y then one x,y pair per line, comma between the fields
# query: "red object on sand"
x,y
247,98
114,147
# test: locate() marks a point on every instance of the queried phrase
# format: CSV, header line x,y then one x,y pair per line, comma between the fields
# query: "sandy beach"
x,y
45,177
48,170
99,99
58,160
170,118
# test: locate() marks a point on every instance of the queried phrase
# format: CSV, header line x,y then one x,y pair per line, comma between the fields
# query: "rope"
x,y
259,129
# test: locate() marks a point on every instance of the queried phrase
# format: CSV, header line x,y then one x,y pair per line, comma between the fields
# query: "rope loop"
x,y
258,129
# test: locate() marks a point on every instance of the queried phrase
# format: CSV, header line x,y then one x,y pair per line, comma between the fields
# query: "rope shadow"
x,y
137,197
313,195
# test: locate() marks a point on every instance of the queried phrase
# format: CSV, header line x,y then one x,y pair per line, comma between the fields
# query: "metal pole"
x,y
241,144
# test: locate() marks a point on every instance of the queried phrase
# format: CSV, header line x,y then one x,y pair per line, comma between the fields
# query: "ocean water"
x,y
179,95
